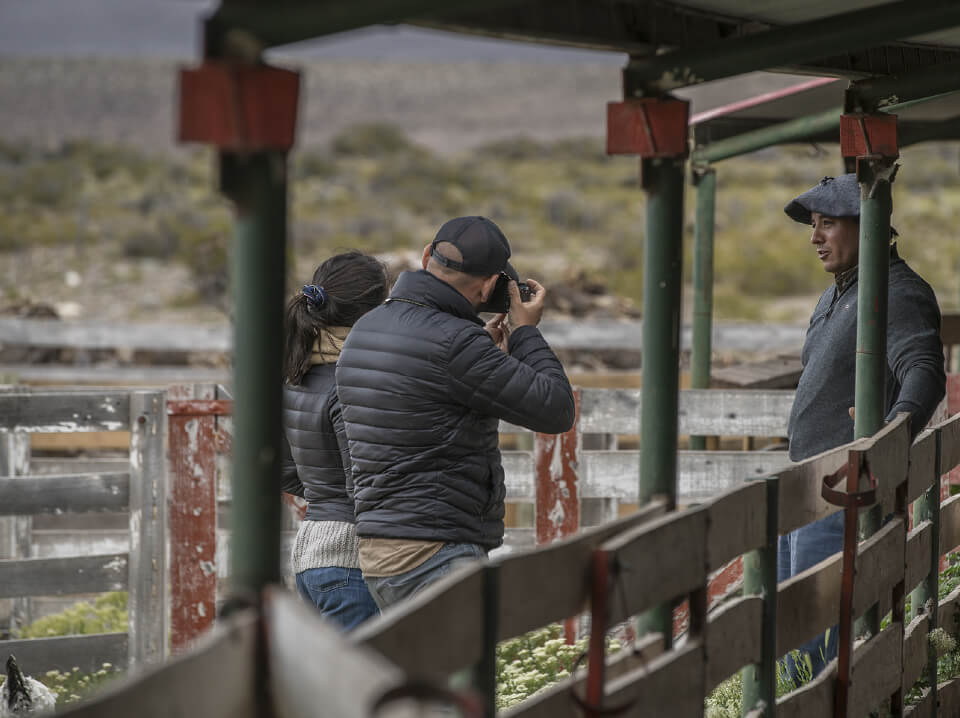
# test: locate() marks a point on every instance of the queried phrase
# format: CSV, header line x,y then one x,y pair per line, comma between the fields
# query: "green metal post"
x,y
663,181
705,180
875,176
760,579
257,183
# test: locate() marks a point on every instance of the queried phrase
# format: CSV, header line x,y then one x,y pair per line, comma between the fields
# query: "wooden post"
x,y
148,506
17,538
557,500
193,515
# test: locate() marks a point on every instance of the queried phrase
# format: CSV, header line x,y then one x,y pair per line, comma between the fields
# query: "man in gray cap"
x,y
821,417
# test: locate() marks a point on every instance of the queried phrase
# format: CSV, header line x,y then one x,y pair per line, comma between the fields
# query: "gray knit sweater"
x,y
916,382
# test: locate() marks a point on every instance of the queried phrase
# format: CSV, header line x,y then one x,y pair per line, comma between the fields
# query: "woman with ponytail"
x,y
316,461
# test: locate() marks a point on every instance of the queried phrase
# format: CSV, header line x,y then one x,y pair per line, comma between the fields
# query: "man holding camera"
x,y
423,385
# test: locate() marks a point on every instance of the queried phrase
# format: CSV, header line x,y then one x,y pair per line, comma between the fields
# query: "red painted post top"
x,y
649,127
239,107
862,135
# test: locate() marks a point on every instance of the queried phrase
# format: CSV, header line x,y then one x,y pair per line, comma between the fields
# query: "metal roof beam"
x,y
283,24
878,93
789,45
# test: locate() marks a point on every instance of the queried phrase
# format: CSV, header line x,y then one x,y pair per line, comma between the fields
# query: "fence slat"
x,y
63,576
876,670
218,679
657,561
63,653
68,493
922,470
733,638
888,456
879,566
812,699
918,554
299,687
673,682
799,486
949,443
714,412
65,411
948,613
808,603
147,617
914,651
736,523
561,571
193,517
950,524
948,694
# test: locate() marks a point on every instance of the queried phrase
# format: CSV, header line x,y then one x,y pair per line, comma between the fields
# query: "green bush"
x,y
107,614
374,139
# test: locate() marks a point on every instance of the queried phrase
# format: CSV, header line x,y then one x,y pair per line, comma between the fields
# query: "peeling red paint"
x,y
193,511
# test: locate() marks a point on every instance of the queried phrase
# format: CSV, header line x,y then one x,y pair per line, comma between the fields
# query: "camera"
x,y
499,301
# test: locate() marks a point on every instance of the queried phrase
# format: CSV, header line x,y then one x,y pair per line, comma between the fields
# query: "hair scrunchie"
x,y
314,294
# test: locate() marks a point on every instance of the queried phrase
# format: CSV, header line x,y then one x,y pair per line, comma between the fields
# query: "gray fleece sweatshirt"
x,y
915,376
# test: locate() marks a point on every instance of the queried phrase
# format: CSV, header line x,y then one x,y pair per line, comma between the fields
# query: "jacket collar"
x,y
423,288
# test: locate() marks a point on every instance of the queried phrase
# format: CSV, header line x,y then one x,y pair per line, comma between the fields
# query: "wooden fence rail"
x,y
140,490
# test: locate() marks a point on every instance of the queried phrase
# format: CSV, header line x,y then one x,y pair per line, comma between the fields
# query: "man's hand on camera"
x,y
499,331
526,313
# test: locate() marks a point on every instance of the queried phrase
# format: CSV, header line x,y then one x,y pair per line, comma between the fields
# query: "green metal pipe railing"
x,y
663,181
705,180
798,130
258,185
871,366
789,44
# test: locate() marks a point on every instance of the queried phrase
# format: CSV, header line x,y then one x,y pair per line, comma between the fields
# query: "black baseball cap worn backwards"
x,y
483,246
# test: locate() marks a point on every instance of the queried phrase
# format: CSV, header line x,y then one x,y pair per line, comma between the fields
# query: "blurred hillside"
x,y
114,232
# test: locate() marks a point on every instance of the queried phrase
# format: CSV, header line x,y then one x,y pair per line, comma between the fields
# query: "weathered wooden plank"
x,y
923,465
147,615
673,682
948,698
812,699
736,523
63,576
733,638
914,651
57,543
808,603
879,565
554,701
93,334
557,493
218,679
115,376
949,443
799,488
950,524
876,670
299,686
561,571
922,708
948,613
193,519
63,653
888,455
55,466
65,411
451,608
518,469
918,554
70,493
657,561
714,412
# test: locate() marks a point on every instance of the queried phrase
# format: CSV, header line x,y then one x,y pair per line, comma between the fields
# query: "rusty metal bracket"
x,y
651,127
849,499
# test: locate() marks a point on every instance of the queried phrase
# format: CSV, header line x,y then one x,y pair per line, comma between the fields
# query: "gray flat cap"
x,y
834,197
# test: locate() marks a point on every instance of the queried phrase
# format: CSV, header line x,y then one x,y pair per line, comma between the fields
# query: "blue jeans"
x,y
796,552
339,593
388,590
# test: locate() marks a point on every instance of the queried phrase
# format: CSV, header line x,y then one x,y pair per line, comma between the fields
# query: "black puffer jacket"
x,y
423,387
315,447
